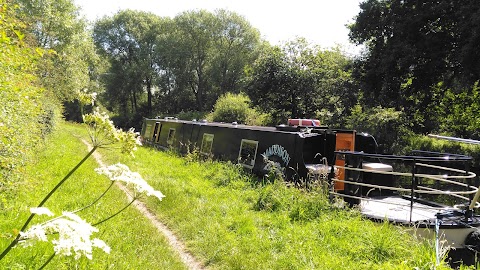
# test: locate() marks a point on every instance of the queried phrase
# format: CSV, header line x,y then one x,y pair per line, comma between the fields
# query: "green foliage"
x,y
128,40
407,60
208,53
387,125
299,204
191,115
50,115
270,199
236,108
163,66
460,113
27,115
420,142
70,59
301,81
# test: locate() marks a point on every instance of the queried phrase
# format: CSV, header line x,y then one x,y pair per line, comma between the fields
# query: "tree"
x,y
56,26
208,53
129,40
235,46
194,32
299,80
407,59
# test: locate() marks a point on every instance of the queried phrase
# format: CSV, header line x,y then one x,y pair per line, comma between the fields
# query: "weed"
x,y
269,199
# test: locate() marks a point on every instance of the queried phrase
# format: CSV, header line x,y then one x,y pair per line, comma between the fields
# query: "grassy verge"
x,y
135,243
230,221
226,218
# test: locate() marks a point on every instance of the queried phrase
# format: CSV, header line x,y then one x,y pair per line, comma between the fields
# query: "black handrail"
x,y
417,158
436,156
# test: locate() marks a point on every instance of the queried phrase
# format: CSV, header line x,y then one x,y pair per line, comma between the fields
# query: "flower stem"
x,y
96,200
112,216
15,241
47,262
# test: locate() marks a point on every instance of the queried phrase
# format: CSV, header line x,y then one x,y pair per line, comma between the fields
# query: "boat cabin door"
x,y
345,141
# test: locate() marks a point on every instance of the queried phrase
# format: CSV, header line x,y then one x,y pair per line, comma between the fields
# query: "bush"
x,y
271,198
49,116
386,124
460,113
236,108
25,117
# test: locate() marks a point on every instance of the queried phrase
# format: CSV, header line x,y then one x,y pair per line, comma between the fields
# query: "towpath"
x,y
173,240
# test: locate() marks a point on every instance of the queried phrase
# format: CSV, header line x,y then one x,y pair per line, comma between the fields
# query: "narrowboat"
x,y
435,194
296,150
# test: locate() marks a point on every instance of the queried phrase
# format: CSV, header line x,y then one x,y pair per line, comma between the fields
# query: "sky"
x,y
321,22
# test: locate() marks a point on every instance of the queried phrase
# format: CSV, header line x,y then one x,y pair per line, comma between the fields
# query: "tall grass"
x,y
226,218
135,243
233,221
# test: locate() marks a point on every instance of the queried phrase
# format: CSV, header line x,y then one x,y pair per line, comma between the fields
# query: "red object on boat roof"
x,y
304,122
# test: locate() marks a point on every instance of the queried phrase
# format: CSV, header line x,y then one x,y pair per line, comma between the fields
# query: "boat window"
x,y
207,143
171,136
157,135
248,152
155,132
147,131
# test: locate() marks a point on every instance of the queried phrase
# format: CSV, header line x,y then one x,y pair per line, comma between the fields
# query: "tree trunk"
x,y
149,95
200,89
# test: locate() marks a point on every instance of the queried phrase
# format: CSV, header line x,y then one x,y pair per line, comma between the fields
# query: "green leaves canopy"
x,y
56,25
413,47
186,63
298,81
129,41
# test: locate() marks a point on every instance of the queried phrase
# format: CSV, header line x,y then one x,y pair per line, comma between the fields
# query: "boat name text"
x,y
279,151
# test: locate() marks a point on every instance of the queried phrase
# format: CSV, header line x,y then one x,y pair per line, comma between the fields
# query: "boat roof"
x,y
279,129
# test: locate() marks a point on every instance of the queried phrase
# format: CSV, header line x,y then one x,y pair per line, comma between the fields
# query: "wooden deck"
x,y
396,208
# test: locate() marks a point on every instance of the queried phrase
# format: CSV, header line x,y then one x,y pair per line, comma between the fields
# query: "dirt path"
x,y
174,242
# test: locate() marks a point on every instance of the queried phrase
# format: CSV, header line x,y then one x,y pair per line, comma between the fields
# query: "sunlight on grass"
x,y
231,220
226,218
135,243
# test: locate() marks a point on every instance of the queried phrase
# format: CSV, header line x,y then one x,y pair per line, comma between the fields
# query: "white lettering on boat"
x,y
279,151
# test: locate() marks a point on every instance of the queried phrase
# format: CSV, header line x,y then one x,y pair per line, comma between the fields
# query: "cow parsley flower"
x,y
103,132
74,235
101,129
121,172
32,235
101,245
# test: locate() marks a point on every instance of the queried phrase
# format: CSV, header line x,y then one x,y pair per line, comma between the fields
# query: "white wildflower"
x,y
121,172
86,98
101,129
73,236
41,211
93,97
32,235
101,245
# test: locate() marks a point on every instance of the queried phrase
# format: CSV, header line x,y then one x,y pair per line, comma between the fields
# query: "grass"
x,y
232,221
134,241
226,218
